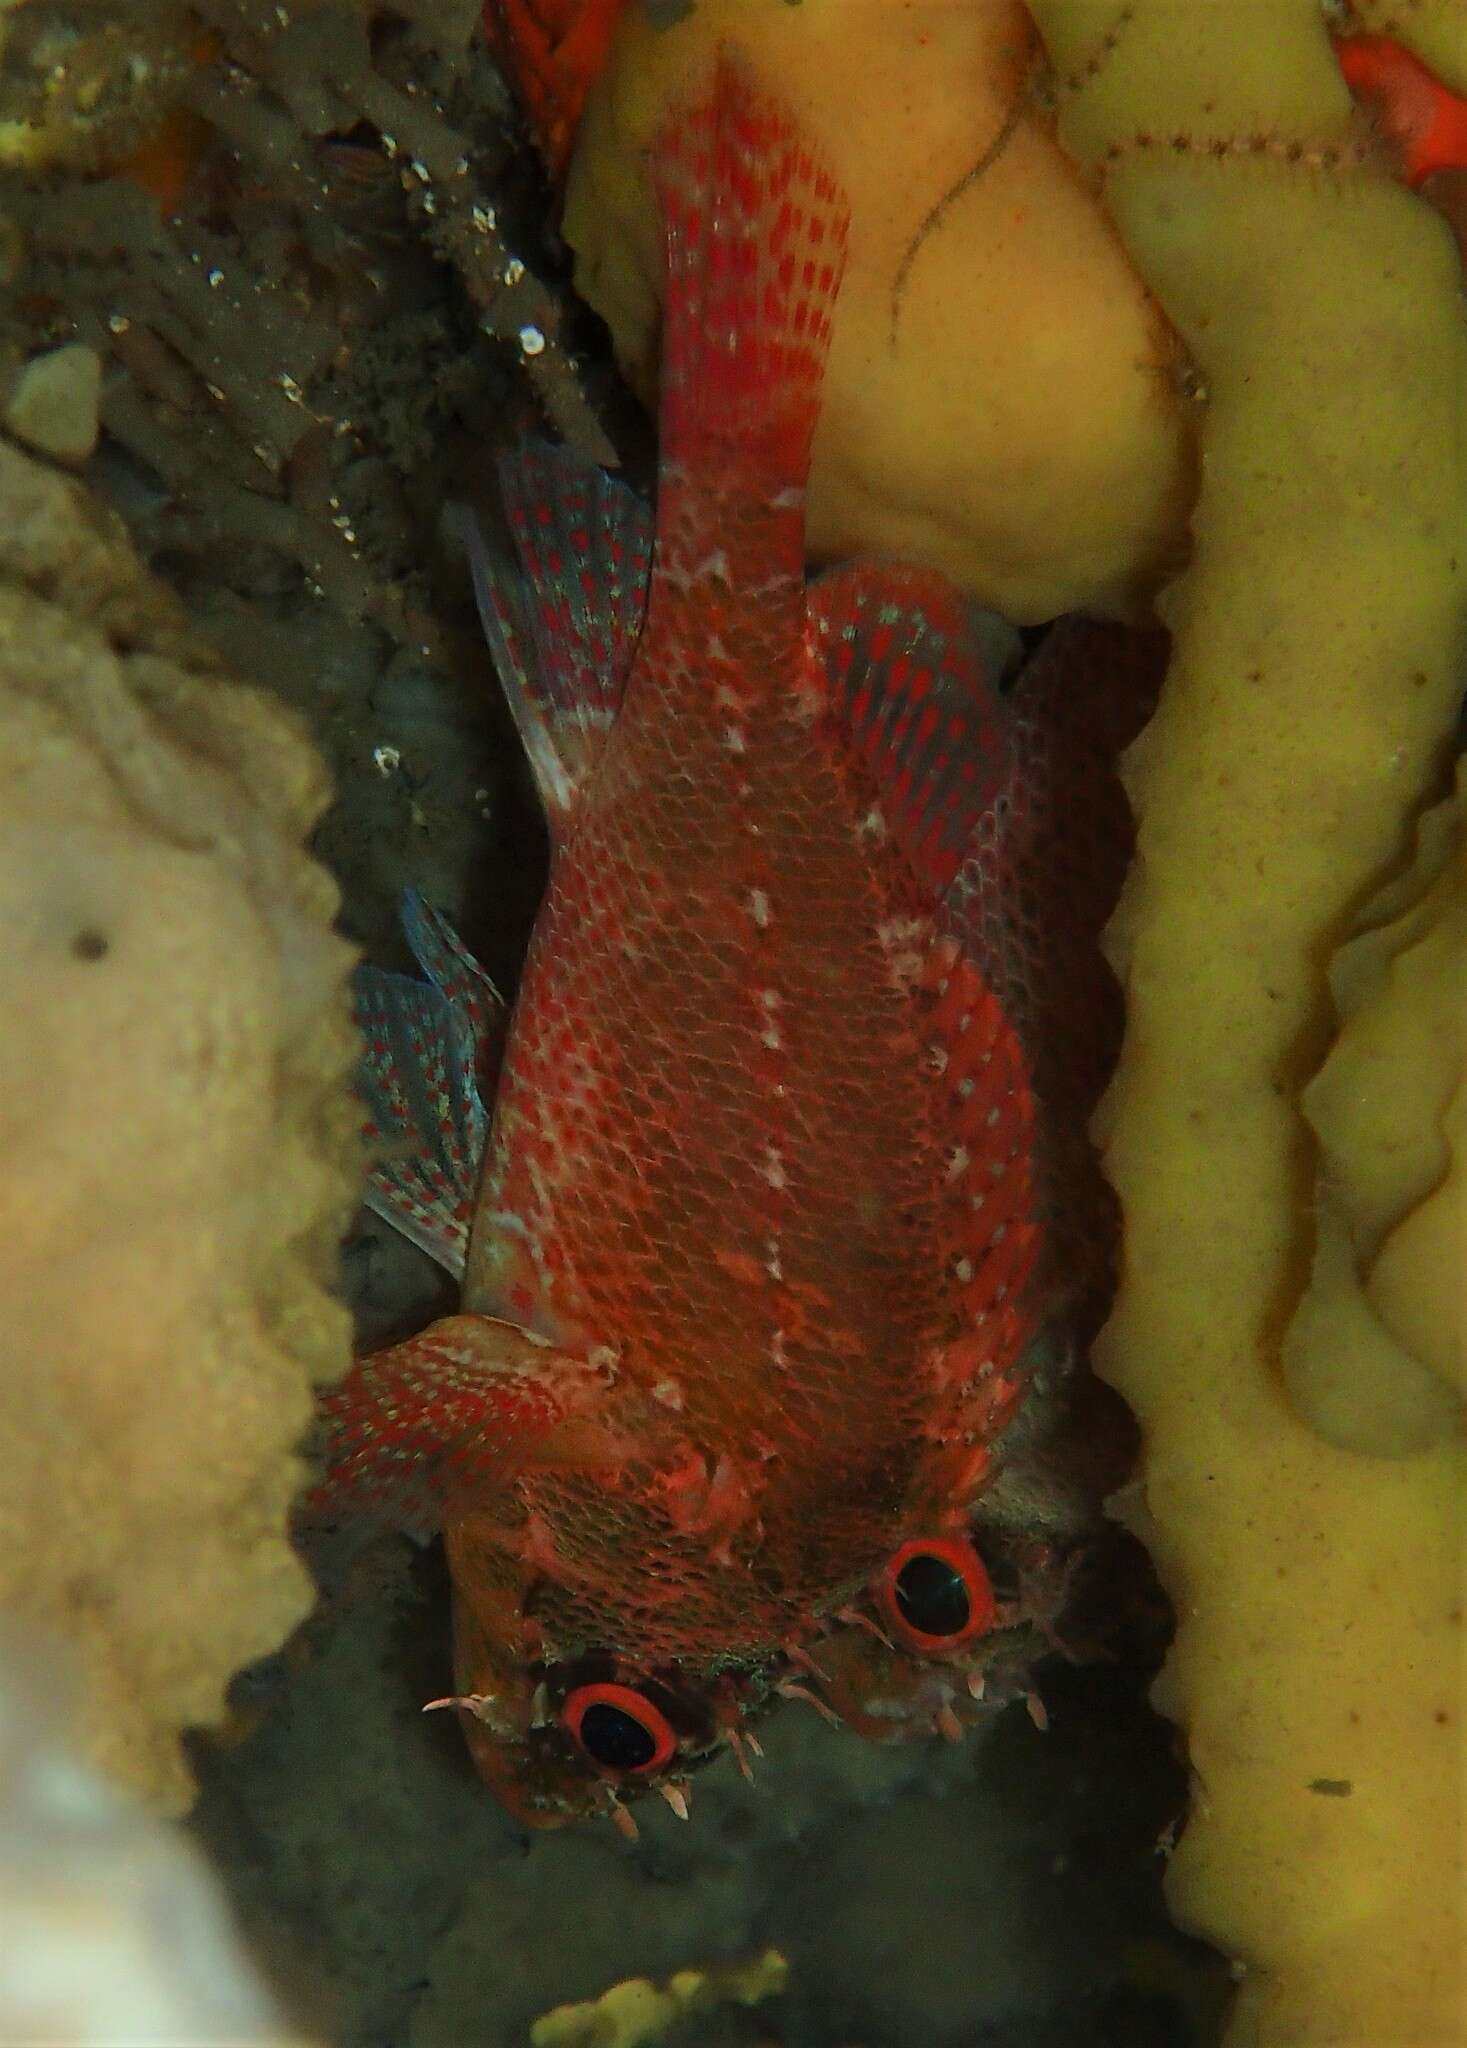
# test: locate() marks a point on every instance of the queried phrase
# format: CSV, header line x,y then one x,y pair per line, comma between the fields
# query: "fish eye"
x,y
619,1729
935,1593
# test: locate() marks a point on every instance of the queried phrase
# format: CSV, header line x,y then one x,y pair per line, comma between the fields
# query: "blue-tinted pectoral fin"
x,y
427,1047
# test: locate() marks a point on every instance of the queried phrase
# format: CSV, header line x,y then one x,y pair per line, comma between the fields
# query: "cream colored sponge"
x,y
175,1154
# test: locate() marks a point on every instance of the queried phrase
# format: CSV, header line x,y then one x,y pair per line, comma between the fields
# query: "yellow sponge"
x,y
1318,1664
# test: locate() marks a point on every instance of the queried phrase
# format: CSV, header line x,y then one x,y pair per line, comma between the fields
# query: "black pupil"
x,y
932,1597
616,1738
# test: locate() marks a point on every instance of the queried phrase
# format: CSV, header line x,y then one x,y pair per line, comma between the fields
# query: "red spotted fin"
x,y
755,233
413,1428
563,632
919,703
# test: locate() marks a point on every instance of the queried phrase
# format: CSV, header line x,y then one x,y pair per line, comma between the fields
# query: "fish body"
x,y
762,1236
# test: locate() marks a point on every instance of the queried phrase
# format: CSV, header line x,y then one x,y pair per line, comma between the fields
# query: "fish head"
x,y
562,1738
951,1623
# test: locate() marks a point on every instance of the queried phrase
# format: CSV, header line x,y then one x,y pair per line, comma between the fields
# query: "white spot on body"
x,y
872,828
759,910
774,1171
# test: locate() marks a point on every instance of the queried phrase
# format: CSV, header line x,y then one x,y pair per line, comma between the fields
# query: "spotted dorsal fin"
x,y
564,629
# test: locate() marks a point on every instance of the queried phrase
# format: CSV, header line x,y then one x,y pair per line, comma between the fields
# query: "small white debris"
x,y
53,403
963,1271
532,341
216,278
758,908
514,270
386,759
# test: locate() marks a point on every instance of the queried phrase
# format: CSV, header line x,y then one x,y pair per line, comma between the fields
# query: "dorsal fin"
x,y
428,1053
564,634
990,1219
911,687
1029,904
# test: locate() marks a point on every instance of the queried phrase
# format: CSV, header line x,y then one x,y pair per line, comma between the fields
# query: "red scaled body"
x,y
761,1236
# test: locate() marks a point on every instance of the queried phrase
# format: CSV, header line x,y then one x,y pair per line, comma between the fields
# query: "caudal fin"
x,y
755,232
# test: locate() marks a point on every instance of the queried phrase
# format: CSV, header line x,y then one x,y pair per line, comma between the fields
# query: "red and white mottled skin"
x,y
747,1284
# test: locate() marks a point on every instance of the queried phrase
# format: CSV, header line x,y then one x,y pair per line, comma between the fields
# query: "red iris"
x,y
934,1594
619,1730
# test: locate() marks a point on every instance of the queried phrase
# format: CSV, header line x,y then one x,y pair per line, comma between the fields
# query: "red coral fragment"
x,y
1422,117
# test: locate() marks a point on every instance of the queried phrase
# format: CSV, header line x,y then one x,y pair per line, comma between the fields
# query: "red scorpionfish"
x,y
760,1252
